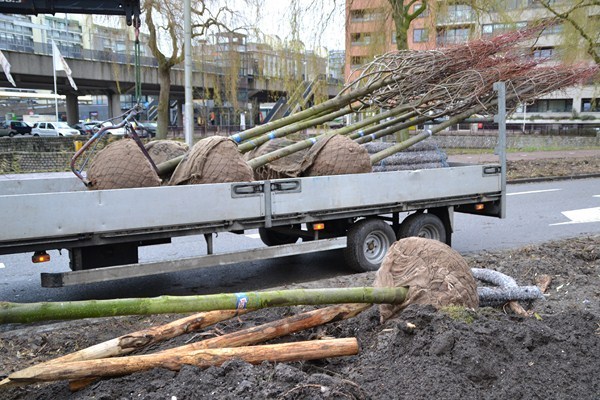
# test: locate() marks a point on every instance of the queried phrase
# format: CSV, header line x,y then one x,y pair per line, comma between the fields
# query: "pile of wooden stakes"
x,y
110,358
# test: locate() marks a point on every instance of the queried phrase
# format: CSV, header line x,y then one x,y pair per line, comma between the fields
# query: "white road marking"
x,y
2,265
585,215
253,236
533,191
596,195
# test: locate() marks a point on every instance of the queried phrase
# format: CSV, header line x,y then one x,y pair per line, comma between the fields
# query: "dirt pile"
x,y
454,353
552,167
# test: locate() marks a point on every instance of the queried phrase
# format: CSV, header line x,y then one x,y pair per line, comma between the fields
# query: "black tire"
x,y
271,237
11,134
368,242
423,225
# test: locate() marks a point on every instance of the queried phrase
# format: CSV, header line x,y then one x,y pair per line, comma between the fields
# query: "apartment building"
x,y
370,31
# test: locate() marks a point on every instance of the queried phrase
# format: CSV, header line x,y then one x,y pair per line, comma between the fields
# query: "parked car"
x,y
53,129
86,128
11,128
145,129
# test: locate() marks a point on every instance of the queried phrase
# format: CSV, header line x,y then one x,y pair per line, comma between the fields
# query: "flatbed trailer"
x,y
103,229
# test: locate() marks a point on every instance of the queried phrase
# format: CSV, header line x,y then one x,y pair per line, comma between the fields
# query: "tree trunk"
x,y
164,79
297,351
30,312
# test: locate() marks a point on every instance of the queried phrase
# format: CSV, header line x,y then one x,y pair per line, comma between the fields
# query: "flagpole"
x,y
55,91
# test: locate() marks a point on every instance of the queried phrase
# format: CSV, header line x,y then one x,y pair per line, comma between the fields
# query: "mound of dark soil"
x,y
455,353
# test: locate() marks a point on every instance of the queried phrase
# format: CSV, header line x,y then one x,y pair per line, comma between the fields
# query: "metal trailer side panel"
x,y
47,215
50,182
347,191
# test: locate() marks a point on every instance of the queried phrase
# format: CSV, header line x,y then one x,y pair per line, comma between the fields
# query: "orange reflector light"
x,y
479,207
40,257
318,226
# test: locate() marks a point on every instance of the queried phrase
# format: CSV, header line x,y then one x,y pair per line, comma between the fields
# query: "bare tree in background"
x,y
164,20
403,14
581,24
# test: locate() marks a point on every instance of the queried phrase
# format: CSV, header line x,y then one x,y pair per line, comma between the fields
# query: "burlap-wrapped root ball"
x,y
436,274
286,167
215,159
335,154
165,150
121,164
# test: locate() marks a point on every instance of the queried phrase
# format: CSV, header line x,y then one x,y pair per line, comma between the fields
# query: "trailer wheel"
x,y
271,237
368,242
423,225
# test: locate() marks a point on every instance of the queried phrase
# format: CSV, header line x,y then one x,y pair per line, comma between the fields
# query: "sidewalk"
x,y
536,155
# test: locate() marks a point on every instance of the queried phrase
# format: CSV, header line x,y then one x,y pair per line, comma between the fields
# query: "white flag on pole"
x,y
61,65
6,68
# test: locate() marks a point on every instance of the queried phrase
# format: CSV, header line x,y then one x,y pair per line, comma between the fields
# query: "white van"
x,y
53,129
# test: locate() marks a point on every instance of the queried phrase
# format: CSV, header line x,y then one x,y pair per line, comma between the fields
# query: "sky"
x,y
322,21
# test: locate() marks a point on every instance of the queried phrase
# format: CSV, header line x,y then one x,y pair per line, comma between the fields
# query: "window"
x,y
453,36
553,30
457,13
496,29
420,35
360,39
367,14
551,105
590,105
543,52
358,60
424,13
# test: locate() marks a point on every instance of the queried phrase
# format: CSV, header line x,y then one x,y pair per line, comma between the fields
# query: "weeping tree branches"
x,y
163,21
578,15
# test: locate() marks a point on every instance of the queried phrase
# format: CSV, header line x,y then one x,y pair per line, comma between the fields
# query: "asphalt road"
x,y
536,213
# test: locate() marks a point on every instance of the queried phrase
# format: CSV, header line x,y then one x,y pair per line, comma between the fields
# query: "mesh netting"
x,y
214,159
286,167
335,154
422,155
435,273
121,165
165,150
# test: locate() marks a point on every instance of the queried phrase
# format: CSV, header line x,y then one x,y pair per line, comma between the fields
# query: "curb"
x,y
551,178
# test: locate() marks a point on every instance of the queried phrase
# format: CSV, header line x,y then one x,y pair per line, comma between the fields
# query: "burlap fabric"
x,y
214,159
121,165
286,167
436,274
165,150
335,154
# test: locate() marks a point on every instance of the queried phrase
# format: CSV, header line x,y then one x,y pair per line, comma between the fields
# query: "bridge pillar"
x,y
72,109
114,105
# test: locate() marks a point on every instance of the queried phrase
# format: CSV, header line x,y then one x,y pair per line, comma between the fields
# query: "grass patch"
x,y
459,313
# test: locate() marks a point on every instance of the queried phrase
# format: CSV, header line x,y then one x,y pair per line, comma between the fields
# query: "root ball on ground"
x,y
435,273
214,159
335,154
121,165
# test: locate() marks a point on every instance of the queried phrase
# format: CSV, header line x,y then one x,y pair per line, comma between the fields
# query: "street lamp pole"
x,y
188,119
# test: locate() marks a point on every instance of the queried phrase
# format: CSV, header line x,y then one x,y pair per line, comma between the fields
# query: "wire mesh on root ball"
x,y
214,159
121,165
335,154
435,273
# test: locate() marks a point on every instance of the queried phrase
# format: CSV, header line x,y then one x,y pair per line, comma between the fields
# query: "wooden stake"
x,y
297,351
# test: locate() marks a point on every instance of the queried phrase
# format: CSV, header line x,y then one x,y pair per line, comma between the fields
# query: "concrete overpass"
x,y
35,71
